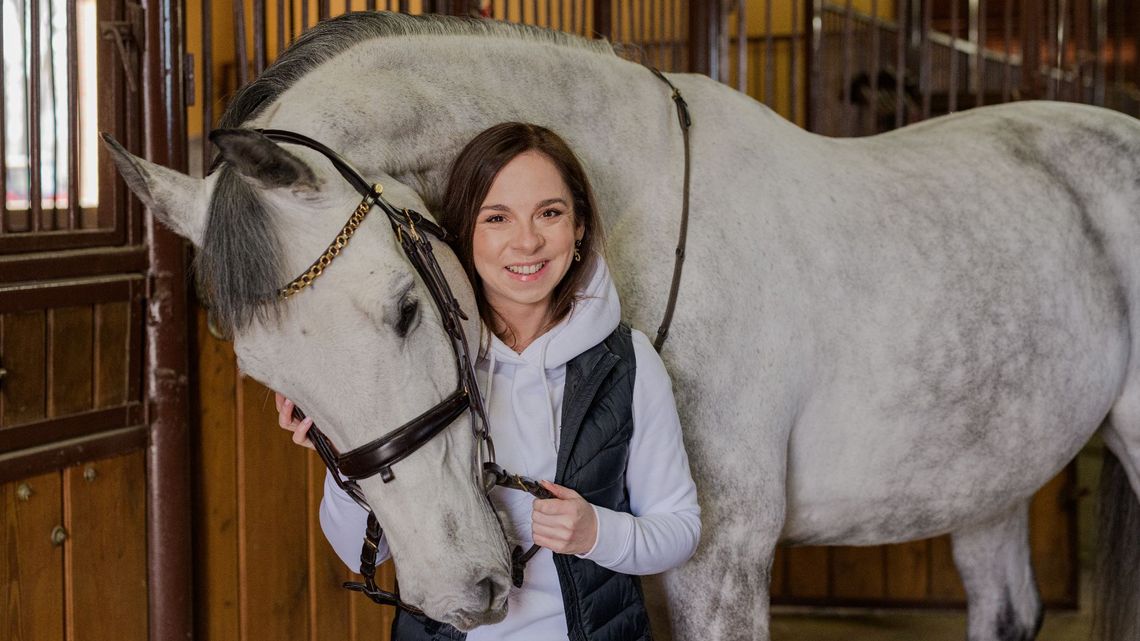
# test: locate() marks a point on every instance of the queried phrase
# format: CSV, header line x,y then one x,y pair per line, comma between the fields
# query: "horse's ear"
x,y
263,161
178,200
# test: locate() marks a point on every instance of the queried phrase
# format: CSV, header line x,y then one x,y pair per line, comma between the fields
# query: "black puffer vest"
x,y
597,425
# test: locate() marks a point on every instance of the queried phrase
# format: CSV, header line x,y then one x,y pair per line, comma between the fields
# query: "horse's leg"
x,y
993,561
1117,578
723,593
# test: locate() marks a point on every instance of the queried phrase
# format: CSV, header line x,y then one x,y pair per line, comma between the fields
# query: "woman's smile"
x,y
528,272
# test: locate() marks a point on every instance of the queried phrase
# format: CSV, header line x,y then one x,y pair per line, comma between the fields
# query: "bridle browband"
x,y
378,456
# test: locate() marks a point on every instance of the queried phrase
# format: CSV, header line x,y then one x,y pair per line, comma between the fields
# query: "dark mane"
x,y
239,263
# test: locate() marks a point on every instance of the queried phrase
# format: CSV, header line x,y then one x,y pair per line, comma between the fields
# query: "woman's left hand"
x,y
566,523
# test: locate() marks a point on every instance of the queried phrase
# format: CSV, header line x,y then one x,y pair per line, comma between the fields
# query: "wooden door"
x,y
75,287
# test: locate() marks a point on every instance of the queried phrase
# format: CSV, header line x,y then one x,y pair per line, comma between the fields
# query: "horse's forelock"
x,y
239,263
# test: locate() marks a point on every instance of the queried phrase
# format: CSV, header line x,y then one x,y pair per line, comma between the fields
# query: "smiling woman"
x,y
571,395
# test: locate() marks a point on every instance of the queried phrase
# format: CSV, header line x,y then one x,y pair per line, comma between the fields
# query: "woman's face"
x,y
524,236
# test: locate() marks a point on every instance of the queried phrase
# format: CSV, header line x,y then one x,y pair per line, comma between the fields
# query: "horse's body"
x,y
876,340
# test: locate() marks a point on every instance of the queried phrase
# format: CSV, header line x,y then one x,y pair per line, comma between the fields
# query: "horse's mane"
x,y
239,263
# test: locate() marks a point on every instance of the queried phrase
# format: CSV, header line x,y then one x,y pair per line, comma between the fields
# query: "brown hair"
x,y
469,181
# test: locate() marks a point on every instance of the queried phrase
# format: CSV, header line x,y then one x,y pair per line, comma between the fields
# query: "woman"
x,y
529,238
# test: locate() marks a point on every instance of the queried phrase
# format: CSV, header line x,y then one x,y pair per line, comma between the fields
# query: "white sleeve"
x,y
665,525
344,522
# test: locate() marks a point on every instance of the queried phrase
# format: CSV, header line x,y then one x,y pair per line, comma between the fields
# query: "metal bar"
x,y
4,221
280,27
1053,51
848,54
1007,68
169,549
793,54
769,57
207,81
876,62
35,188
304,15
655,54
1136,49
259,27
704,38
978,13
742,47
813,20
73,142
239,43
1118,43
53,100
603,19
370,5
952,90
924,70
900,68
1101,39
323,10
1031,49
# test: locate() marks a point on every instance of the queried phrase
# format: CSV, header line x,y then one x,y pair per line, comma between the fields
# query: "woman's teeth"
x,y
526,270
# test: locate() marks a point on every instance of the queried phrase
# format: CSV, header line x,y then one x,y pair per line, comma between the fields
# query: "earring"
x,y
577,254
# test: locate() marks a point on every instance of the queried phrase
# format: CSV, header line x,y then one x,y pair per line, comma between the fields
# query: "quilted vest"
x,y
597,425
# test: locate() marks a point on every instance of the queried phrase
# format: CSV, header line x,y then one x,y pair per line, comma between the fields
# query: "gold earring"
x,y
577,254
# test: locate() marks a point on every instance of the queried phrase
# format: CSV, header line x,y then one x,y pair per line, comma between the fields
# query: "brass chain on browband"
x,y
335,247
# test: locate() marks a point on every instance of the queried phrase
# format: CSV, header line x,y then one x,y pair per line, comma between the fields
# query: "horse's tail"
x,y
1116,616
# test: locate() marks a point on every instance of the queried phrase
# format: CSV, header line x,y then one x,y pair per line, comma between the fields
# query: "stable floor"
x,y
803,625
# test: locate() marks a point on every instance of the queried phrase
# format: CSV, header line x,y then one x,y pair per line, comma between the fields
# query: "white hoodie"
x,y
523,394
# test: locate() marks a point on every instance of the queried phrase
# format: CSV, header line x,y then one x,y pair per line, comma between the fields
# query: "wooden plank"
x,y
272,514
329,613
215,478
907,571
857,572
808,572
112,353
23,353
1052,539
70,360
945,585
106,566
779,573
31,591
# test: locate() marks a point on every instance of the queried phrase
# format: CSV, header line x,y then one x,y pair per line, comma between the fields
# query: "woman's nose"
x,y
527,238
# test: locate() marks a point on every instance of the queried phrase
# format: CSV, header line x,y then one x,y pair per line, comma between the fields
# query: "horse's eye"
x,y
409,314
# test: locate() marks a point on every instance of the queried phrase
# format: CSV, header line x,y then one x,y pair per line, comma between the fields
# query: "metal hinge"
x,y
128,36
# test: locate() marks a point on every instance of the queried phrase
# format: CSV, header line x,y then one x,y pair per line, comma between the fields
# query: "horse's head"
x,y
362,350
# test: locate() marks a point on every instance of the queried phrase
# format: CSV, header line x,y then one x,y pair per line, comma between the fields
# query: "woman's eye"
x,y
551,213
494,218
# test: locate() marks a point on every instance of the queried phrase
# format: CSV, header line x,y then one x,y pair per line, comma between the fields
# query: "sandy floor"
x,y
803,625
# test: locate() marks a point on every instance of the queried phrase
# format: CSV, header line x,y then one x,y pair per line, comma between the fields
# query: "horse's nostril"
x,y
495,591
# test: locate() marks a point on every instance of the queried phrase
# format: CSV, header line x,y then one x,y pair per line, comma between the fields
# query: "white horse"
x,y
877,339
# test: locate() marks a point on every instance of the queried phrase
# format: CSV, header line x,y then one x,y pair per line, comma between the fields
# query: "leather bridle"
x,y
378,456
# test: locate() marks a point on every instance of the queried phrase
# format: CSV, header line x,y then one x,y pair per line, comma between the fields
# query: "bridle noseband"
x,y
378,456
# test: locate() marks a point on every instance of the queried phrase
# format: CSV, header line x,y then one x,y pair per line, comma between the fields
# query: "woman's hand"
x,y
300,429
566,523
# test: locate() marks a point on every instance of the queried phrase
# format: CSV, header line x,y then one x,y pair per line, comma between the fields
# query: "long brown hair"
x,y
469,181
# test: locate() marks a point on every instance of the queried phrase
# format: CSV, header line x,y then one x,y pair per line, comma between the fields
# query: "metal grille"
x,y
652,31
870,73
53,65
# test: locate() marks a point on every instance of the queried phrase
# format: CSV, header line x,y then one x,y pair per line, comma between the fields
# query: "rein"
x,y
378,456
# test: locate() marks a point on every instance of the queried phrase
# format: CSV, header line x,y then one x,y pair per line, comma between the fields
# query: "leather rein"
x,y
378,456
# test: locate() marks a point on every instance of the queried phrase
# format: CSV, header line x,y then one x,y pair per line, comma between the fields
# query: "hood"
x,y
521,390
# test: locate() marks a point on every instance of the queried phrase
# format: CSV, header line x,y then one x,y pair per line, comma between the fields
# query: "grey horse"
x,y
877,339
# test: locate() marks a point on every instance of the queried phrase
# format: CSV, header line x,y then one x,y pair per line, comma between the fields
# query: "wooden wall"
x,y
263,569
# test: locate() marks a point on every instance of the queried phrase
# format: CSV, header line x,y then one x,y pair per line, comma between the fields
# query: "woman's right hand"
x,y
300,429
